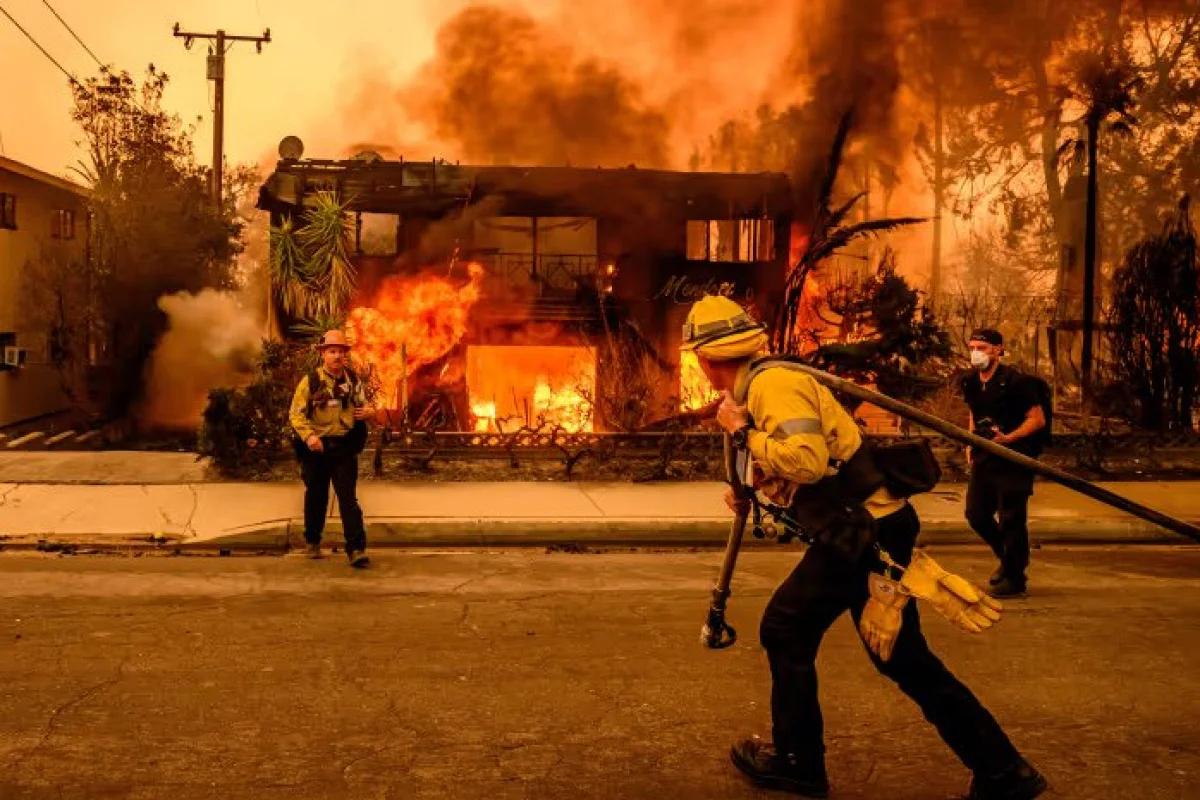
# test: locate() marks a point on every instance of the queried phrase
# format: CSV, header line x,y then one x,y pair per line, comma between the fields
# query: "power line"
x,y
73,33
70,77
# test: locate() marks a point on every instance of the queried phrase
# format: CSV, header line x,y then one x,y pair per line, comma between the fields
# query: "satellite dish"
x,y
291,148
368,157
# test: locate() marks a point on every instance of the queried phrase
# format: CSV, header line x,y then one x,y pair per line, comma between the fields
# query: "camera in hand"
x,y
987,428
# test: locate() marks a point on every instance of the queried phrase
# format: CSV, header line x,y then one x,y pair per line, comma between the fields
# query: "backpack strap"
x,y
314,381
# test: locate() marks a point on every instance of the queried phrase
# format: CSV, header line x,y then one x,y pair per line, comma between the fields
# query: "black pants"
x,y
338,465
823,586
998,510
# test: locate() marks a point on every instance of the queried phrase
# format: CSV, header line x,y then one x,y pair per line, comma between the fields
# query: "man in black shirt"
x,y
1005,408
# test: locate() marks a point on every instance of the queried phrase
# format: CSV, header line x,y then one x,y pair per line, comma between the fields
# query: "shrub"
x,y
245,428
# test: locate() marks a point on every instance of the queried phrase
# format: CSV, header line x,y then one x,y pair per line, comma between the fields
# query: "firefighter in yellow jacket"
x,y
809,456
329,414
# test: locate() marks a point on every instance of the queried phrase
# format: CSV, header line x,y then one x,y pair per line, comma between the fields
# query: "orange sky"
x,y
326,56
290,88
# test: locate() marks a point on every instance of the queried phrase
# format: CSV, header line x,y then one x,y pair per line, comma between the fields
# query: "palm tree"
x,y
827,237
1107,89
311,270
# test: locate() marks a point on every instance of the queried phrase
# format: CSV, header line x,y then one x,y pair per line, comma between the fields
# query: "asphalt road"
x,y
533,675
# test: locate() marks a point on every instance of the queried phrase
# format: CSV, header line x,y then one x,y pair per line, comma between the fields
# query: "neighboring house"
x,y
41,216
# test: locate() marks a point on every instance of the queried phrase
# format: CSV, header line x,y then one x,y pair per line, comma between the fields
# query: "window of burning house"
x,y
377,234
540,252
731,240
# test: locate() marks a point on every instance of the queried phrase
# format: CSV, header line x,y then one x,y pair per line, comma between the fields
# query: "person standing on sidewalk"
x,y
329,413
815,462
1005,408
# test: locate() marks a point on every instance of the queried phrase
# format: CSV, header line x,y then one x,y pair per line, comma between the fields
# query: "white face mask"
x,y
980,359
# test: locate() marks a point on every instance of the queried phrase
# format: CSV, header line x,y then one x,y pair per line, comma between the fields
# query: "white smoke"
x,y
212,340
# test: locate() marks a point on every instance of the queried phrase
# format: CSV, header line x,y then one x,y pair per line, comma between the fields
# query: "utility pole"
x,y
216,74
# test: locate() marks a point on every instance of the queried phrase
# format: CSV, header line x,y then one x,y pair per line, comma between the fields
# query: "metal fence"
x,y
553,444
546,273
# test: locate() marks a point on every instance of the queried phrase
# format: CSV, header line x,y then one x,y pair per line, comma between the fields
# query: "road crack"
x,y
7,492
53,721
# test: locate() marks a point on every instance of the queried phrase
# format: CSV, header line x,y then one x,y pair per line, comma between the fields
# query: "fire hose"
x,y
718,634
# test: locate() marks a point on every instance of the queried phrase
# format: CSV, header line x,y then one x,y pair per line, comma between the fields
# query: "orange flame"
x,y
694,389
424,316
512,386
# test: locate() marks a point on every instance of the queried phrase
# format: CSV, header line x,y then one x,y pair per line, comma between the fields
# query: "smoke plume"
x,y
507,90
212,340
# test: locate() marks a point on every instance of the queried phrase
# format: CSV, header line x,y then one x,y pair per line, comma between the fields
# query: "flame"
x,y
694,389
418,320
512,386
485,416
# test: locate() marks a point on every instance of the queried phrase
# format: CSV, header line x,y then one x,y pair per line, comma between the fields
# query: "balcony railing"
x,y
547,274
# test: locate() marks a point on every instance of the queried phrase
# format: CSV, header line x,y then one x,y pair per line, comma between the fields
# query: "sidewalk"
x,y
269,515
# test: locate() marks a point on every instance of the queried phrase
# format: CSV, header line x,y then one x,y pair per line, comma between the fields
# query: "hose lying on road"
x,y
952,431
718,634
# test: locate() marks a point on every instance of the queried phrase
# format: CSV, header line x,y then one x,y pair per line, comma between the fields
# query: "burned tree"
x,y
1155,335
829,234
887,335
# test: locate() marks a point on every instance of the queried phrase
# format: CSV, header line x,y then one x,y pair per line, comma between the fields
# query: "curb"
x,y
284,535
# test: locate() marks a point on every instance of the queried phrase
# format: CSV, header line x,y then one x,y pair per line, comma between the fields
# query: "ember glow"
x,y
694,389
512,386
414,320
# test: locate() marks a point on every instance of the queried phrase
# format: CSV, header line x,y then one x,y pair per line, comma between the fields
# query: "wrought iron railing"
x,y
552,443
547,274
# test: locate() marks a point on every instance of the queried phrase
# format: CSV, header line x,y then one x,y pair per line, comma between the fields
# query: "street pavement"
x,y
522,674
119,499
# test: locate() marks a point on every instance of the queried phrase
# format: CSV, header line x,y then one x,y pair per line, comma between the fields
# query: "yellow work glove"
x,y
880,622
951,596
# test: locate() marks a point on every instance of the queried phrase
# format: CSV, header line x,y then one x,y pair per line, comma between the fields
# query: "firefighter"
x,y
809,456
328,414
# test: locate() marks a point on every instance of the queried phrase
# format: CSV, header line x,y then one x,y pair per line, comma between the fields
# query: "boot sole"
x,y
1033,789
776,782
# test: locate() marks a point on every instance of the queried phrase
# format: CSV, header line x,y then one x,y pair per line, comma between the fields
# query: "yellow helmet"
x,y
718,323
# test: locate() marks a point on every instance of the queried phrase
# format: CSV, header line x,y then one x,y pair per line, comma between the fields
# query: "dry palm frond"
x,y
826,238
314,327
841,237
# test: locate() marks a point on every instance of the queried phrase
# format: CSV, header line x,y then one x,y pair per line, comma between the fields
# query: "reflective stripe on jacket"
x,y
801,432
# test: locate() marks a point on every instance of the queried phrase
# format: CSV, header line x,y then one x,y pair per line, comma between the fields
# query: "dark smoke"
x,y
509,92
850,57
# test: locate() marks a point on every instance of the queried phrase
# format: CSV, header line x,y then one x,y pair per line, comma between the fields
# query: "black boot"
x,y
784,772
1021,782
1007,588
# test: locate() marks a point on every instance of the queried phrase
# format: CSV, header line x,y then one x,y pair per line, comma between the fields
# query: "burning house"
x,y
490,297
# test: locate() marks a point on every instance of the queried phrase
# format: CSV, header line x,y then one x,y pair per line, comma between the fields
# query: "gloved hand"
x,y
881,617
951,596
